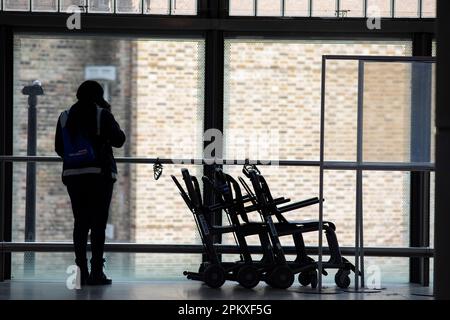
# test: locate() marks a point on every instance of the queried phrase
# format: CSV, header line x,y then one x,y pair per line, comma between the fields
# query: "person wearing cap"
x,y
90,183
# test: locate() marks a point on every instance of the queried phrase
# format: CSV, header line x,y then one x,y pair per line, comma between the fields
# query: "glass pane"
x,y
120,266
379,8
324,8
156,6
352,8
16,5
386,207
397,112
140,210
155,65
432,208
174,69
433,113
339,192
407,9
296,8
184,7
284,78
242,7
429,8
128,6
341,110
45,5
269,8
101,6
65,4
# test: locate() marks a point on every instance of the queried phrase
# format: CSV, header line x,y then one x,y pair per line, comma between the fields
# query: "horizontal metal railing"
x,y
328,165
194,248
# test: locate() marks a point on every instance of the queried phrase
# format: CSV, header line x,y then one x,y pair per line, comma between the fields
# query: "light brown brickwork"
x,y
158,100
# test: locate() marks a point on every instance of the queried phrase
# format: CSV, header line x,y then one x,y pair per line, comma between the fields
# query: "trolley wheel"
x,y
214,276
267,279
281,277
342,279
248,276
304,278
313,279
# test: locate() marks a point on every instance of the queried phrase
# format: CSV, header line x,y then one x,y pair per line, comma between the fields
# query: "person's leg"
x,y
76,192
99,219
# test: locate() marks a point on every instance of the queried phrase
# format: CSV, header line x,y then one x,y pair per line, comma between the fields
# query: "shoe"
x,y
97,276
84,272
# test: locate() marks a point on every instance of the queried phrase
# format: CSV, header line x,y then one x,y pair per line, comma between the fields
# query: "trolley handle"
x,y
248,168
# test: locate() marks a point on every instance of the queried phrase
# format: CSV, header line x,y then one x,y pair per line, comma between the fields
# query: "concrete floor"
x,y
190,290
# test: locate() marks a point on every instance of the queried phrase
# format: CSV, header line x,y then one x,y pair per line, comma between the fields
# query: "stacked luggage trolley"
x,y
273,268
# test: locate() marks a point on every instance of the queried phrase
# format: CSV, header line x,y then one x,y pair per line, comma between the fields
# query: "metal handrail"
x,y
198,249
330,165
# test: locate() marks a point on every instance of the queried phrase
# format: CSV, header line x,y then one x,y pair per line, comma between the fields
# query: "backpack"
x,y
80,156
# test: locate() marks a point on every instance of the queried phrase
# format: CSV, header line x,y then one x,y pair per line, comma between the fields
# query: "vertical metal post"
x,y
359,223
2,219
420,145
32,92
213,116
321,172
30,206
6,144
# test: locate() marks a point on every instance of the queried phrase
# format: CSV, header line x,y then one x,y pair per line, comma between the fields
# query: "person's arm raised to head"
x,y
111,130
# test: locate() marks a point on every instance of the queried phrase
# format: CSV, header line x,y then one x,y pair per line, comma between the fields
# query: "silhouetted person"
x,y
85,135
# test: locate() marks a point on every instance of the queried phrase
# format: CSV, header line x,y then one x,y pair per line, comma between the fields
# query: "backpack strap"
x,y
65,115
63,118
99,119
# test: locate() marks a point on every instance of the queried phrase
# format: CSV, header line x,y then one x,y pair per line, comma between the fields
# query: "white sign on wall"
x,y
100,73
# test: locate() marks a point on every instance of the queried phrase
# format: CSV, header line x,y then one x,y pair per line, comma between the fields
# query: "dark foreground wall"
x,y
442,219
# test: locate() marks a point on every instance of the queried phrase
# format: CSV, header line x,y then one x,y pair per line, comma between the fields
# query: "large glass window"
x,y
45,5
162,7
296,8
269,7
429,8
324,8
16,5
407,9
379,8
352,8
154,86
284,78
